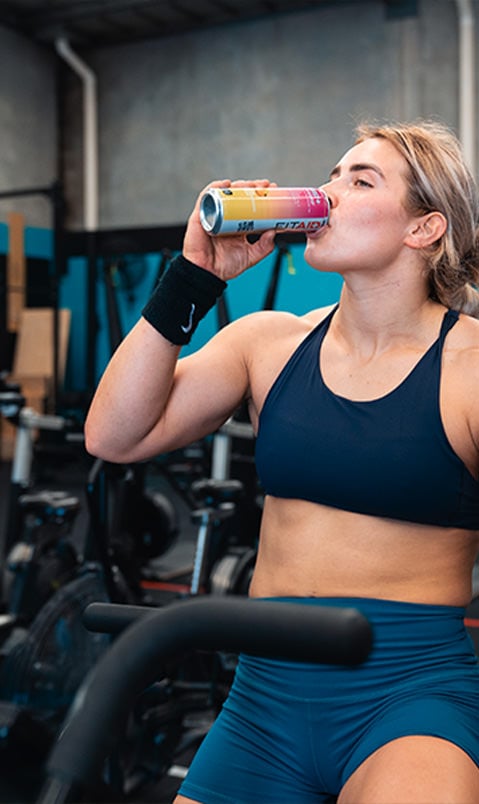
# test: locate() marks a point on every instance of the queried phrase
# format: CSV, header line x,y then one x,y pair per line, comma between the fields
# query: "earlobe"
x,y
426,230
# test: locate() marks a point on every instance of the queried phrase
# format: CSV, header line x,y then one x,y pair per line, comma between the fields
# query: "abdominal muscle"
x,y
311,550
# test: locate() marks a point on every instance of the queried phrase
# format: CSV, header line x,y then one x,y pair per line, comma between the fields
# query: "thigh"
x,y
247,761
183,800
414,770
259,749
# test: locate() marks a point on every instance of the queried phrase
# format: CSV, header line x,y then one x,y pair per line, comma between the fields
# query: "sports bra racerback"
x,y
387,457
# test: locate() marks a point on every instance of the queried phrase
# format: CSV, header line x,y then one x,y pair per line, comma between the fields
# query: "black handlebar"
x,y
290,631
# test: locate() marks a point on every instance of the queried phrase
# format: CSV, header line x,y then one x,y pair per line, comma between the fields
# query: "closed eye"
x,y
362,183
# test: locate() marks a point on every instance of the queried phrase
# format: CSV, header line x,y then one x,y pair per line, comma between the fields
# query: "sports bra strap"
x,y
451,318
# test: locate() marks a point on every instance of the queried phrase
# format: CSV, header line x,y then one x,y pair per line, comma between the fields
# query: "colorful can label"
x,y
246,210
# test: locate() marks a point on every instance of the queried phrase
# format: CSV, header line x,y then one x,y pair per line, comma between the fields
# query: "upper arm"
x,y
242,360
148,402
208,386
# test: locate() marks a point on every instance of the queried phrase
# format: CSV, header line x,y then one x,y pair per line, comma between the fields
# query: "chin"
x,y
312,253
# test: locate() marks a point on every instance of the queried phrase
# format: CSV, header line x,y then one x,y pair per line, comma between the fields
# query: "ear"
x,y
426,230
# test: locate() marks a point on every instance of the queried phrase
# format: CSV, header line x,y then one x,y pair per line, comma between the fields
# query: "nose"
x,y
328,188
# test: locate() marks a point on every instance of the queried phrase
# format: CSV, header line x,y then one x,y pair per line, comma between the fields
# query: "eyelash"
x,y
363,183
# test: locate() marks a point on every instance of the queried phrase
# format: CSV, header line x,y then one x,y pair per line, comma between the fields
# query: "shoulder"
x,y
461,354
462,344
260,342
275,323
269,339
315,317
461,383
461,368
273,335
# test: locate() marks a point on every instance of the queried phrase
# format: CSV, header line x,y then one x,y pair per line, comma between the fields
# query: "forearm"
x,y
127,417
141,406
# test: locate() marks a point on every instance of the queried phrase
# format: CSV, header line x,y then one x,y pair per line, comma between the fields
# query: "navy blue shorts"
x,y
293,733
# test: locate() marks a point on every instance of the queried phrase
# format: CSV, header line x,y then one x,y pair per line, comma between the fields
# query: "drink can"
x,y
247,210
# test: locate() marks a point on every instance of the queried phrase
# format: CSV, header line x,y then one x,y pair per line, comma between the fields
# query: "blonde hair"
x,y
439,180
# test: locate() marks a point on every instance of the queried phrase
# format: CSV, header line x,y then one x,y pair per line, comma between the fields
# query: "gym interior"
x,y
114,114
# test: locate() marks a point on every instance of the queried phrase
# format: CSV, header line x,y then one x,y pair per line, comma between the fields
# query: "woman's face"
x,y
368,221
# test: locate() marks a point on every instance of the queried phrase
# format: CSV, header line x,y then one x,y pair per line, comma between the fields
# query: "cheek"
x,y
388,211
377,223
367,215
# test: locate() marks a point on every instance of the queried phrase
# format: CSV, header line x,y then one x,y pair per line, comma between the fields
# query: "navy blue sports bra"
x,y
388,457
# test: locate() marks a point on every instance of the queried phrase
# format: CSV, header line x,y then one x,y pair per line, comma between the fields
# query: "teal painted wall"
x,y
300,289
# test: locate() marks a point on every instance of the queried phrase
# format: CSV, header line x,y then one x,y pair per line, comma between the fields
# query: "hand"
x,y
226,256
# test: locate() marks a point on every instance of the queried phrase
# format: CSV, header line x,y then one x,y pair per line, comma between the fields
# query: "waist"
x,y
409,640
307,549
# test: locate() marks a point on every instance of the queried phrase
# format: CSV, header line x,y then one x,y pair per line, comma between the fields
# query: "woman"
x,y
368,449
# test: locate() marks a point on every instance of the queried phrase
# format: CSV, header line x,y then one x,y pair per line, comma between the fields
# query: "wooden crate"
x,y
34,347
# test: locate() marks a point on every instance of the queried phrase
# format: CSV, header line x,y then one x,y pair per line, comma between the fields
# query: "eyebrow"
x,y
357,168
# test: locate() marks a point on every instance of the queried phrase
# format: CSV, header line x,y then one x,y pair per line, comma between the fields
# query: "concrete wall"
x,y
277,97
274,97
28,125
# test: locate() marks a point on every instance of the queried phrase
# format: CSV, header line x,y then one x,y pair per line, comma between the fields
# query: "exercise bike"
x,y
171,717
45,651
147,640
49,575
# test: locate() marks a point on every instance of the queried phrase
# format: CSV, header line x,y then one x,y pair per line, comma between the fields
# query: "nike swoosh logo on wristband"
x,y
190,322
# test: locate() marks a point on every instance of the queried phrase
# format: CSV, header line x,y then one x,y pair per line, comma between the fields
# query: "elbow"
x,y
94,444
98,446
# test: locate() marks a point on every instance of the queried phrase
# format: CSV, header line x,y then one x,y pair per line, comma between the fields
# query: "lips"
x,y
318,233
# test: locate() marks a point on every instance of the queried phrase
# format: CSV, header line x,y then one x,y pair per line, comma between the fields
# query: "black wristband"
x,y
181,299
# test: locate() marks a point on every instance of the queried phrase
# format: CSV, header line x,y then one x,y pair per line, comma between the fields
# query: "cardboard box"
x,y
34,347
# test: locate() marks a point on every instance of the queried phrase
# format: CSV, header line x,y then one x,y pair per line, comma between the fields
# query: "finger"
x,y
251,183
217,183
263,246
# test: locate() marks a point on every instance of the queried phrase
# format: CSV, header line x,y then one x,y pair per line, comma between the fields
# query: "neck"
x,y
379,315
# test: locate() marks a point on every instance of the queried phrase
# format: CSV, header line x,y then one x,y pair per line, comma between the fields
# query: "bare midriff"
x,y
311,550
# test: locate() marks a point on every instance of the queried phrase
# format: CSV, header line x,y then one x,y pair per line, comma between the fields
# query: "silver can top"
x,y
211,211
